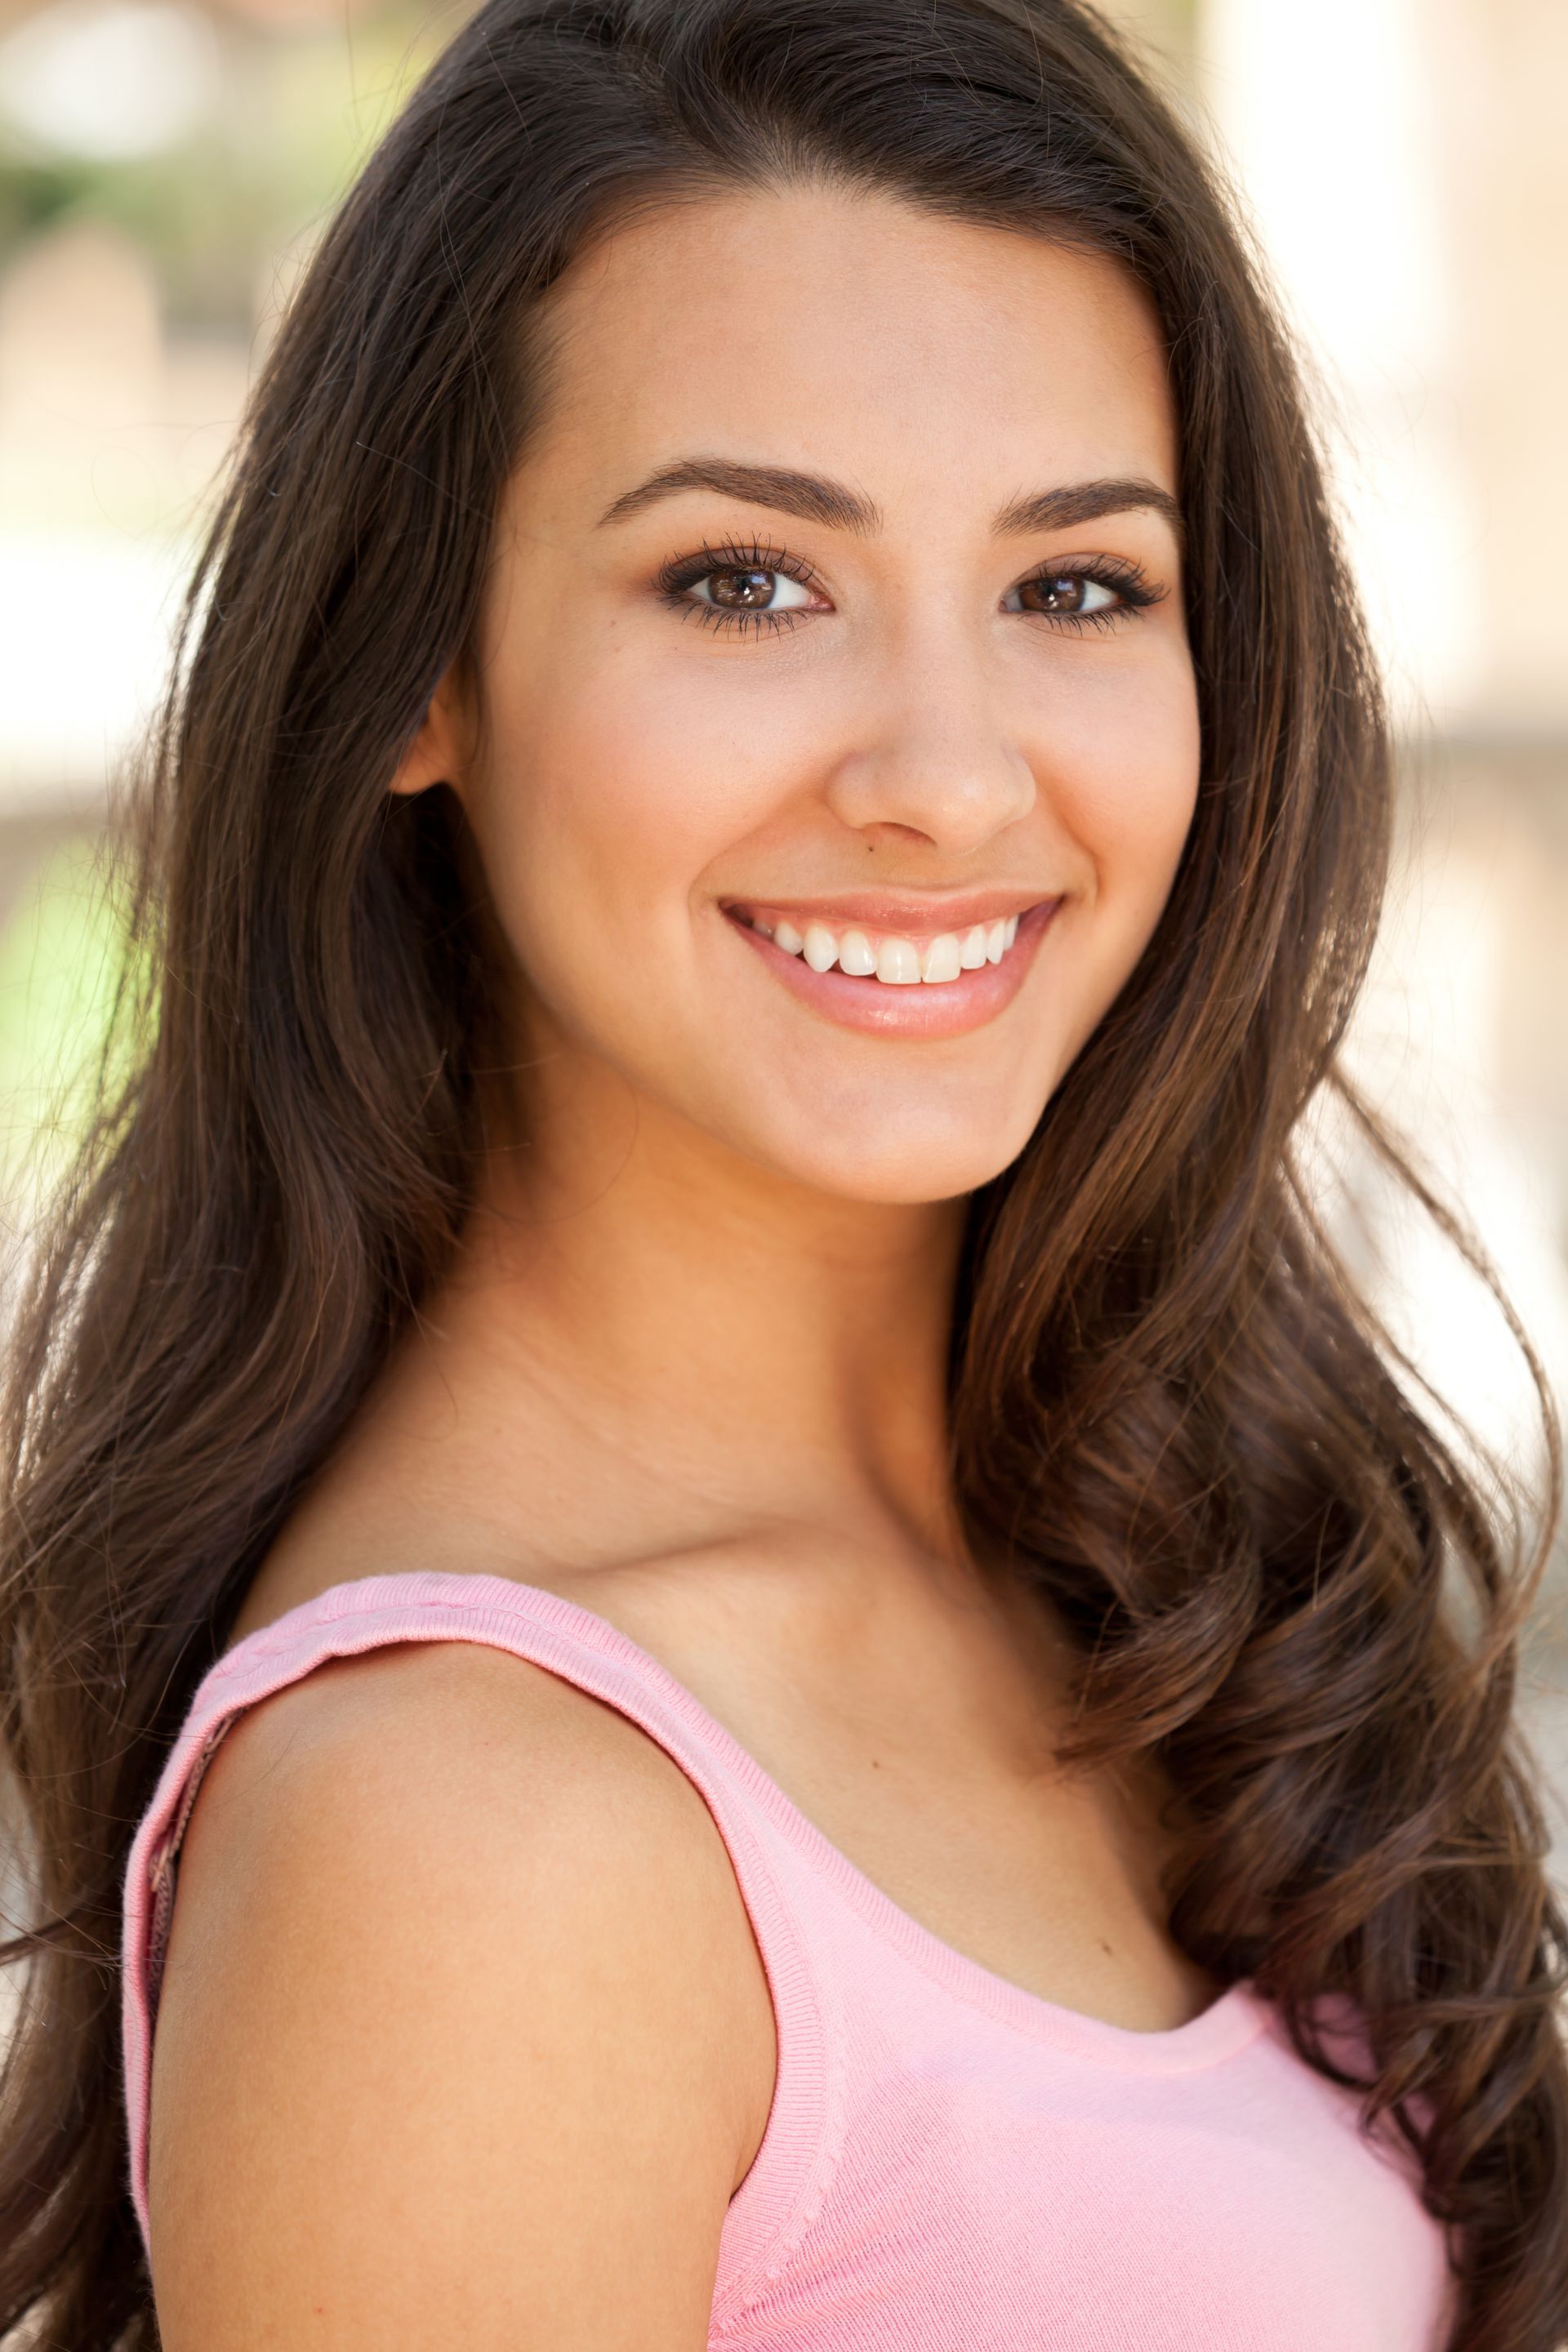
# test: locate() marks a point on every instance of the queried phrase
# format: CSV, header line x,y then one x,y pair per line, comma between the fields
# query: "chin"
x,y
903,1163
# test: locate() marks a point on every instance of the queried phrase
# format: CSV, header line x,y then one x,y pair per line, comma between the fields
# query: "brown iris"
x,y
742,590
1065,591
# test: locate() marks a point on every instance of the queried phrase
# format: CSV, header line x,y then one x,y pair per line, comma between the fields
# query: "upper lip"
x,y
911,915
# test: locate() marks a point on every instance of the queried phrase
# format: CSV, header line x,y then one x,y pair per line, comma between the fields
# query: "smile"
x,y
888,969
887,958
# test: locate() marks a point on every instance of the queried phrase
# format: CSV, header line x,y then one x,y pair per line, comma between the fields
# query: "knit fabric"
x,y
950,2163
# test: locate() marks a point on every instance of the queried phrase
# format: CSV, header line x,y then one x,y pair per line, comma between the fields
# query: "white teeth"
x,y
821,946
939,960
897,963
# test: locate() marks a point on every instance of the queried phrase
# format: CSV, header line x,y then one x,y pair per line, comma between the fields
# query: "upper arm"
x,y
462,2038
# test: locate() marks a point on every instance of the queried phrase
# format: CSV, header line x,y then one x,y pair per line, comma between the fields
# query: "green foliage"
x,y
213,213
62,954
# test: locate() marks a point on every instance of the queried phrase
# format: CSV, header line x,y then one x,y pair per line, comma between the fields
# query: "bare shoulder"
x,y
460,1992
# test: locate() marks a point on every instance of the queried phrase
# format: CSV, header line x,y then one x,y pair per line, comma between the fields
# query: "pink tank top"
x,y
950,2163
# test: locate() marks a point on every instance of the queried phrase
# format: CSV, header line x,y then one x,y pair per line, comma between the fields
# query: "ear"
x,y
440,751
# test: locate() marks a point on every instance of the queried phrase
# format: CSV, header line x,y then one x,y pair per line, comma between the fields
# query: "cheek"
x,y
1124,760
609,789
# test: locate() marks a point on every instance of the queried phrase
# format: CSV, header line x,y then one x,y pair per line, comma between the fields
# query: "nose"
x,y
934,757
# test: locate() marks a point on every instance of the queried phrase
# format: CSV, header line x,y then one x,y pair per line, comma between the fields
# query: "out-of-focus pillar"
x,y
1329,114
1406,164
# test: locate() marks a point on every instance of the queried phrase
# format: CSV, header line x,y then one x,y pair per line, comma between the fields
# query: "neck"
x,y
709,1315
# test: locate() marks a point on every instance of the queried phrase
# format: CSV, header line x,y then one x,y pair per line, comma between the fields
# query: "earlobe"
x,y
436,754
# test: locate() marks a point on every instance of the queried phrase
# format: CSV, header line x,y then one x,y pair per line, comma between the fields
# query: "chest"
x,y
924,1753
1006,2197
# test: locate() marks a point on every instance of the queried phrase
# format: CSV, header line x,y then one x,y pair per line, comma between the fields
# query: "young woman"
x,y
689,1455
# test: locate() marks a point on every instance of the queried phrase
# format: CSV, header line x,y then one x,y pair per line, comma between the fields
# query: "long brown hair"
x,y
1168,1404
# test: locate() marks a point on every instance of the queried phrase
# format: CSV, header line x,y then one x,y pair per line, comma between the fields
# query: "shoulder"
x,y
459,1988
402,1734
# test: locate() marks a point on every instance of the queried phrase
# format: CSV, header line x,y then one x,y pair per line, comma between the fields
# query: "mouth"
x,y
888,968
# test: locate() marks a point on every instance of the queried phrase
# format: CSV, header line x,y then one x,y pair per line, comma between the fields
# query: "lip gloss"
x,y
947,1008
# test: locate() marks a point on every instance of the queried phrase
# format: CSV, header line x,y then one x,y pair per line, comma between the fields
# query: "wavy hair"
x,y
1169,1406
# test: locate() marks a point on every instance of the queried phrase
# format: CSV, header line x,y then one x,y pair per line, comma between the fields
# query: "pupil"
x,y
1063,593
750,587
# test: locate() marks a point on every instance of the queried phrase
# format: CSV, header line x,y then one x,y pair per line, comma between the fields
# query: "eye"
x,y
743,588
747,589
1067,595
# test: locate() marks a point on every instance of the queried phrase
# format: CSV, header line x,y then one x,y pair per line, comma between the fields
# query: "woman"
x,y
688,1455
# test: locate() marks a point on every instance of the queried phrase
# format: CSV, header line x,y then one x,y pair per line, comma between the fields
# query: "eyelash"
x,y
683,572
680,573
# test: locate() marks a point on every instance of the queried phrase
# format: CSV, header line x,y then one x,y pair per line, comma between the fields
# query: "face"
x,y
836,735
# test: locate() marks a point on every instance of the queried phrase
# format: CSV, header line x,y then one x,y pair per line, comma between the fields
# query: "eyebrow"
x,y
819,499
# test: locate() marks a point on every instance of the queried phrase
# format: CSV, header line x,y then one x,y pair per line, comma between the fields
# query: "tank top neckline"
x,y
1225,2026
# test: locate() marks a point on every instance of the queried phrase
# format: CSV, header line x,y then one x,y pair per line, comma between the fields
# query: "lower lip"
x,y
945,1008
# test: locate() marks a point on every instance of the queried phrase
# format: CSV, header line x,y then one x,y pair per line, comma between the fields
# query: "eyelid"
x,y
689,564
679,571
1116,570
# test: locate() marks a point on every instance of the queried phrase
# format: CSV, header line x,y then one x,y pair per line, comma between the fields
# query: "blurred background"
x,y
165,168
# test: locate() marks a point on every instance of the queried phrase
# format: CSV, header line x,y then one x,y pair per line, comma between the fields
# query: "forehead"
x,y
911,354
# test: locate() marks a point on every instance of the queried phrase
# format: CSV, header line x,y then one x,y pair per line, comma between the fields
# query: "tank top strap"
x,y
785,2184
